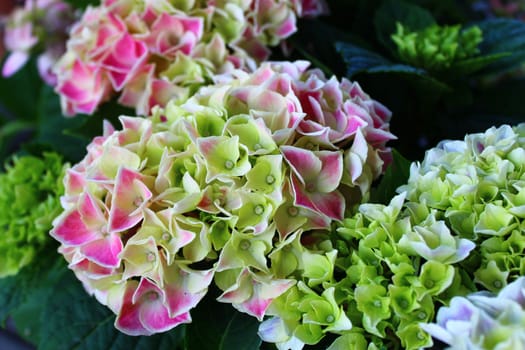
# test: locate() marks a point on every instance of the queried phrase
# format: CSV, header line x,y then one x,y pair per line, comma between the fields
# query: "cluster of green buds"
x,y
455,228
387,267
30,189
436,47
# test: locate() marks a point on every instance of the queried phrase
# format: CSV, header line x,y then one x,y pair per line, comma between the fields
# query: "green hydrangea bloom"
x,y
455,228
436,47
30,189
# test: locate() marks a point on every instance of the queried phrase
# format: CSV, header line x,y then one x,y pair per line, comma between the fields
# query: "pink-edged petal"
x,y
104,251
130,195
69,229
128,320
330,204
91,269
180,301
301,197
156,319
185,288
14,62
90,211
257,307
75,181
331,171
153,313
303,162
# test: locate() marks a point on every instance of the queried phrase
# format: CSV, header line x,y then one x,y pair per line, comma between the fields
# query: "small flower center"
x,y
163,118
497,284
152,296
422,315
330,318
429,284
258,210
310,187
293,211
150,257
229,164
377,303
420,336
166,236
137,201
270,179
245,244
403,303
257,146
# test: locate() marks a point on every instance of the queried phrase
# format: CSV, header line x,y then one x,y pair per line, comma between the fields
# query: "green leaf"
x,y
27,312
396,175
360,60
392,11
502,35
19,93
315,40
74,320
29,283
474,64
52,129
82,4
219,326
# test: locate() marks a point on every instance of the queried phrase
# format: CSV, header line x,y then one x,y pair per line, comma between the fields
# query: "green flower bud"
x,y
30,190
436,47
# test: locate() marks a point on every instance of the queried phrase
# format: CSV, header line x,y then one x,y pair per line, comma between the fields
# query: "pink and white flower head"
x,y
155,51
40,27
226,180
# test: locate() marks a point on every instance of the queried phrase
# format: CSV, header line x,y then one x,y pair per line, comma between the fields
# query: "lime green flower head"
x,y
436,47
30,189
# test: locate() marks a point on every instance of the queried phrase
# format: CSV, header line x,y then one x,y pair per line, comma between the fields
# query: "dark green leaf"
x,y
396,175
412,16
74,320
359,60
219,326
19,93
503,36
27,314
82,4
27,286
52,132
474,64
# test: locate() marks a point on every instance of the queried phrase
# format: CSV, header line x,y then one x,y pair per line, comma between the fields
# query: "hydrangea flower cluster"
x,y
483,320
219,188
149,52
388,268
374,280
40,26
30,189
477,186
437,47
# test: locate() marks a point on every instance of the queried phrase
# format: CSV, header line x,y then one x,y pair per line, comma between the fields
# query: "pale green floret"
x,y
30,189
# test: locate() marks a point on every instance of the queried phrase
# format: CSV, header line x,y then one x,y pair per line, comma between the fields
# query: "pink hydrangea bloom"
x,y
227,180
41,22
156,51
